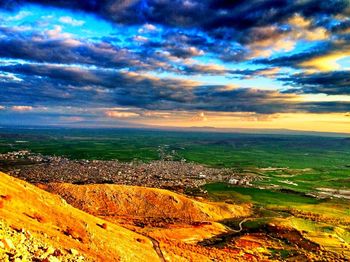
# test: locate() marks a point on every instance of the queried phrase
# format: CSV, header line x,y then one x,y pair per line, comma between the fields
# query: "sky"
x,y
261,64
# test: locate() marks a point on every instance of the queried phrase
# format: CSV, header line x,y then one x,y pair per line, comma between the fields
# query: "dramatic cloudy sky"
x,y
233,64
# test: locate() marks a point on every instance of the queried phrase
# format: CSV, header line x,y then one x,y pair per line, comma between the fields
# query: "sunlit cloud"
x,y
200,117
303,29
120,114
21,108
328,62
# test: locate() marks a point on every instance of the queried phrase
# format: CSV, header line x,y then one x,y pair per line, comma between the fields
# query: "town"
x,y
175,175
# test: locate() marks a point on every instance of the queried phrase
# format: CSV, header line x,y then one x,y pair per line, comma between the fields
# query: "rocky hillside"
x,y
37,225
120,223
133,202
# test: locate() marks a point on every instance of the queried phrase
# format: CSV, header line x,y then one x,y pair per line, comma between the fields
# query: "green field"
x,y
221,191
309,161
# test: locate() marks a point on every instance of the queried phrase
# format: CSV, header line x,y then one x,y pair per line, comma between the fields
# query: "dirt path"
x,y
240,225
155,244
157,248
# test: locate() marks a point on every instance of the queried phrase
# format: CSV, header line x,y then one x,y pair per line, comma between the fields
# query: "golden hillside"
x,y
133,202
51,221
38,225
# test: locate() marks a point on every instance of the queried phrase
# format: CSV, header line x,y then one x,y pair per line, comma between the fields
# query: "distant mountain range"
x,y
193,129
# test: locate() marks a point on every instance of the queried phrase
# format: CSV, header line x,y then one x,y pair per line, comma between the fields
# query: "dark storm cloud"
x,y
220,19
110,74
45,48
231,25
223,29
181,44
58,85
50,49
259,101
332,83
84,5
198,69
123,88
341,27
324,107
217,98
248,14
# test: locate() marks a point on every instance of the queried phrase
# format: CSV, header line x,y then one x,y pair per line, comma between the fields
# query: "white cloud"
x,y
19,16
71,21
146,28
139,38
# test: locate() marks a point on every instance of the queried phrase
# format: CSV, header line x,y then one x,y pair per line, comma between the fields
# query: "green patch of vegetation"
x,y
258,196
280,253
255,223
328,229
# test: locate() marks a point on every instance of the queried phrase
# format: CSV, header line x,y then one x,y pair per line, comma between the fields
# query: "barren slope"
x,y
48,219
35,224
115,201
173,221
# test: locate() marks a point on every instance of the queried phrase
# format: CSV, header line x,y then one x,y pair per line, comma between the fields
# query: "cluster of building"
x,y
30,157
177,175
15,155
